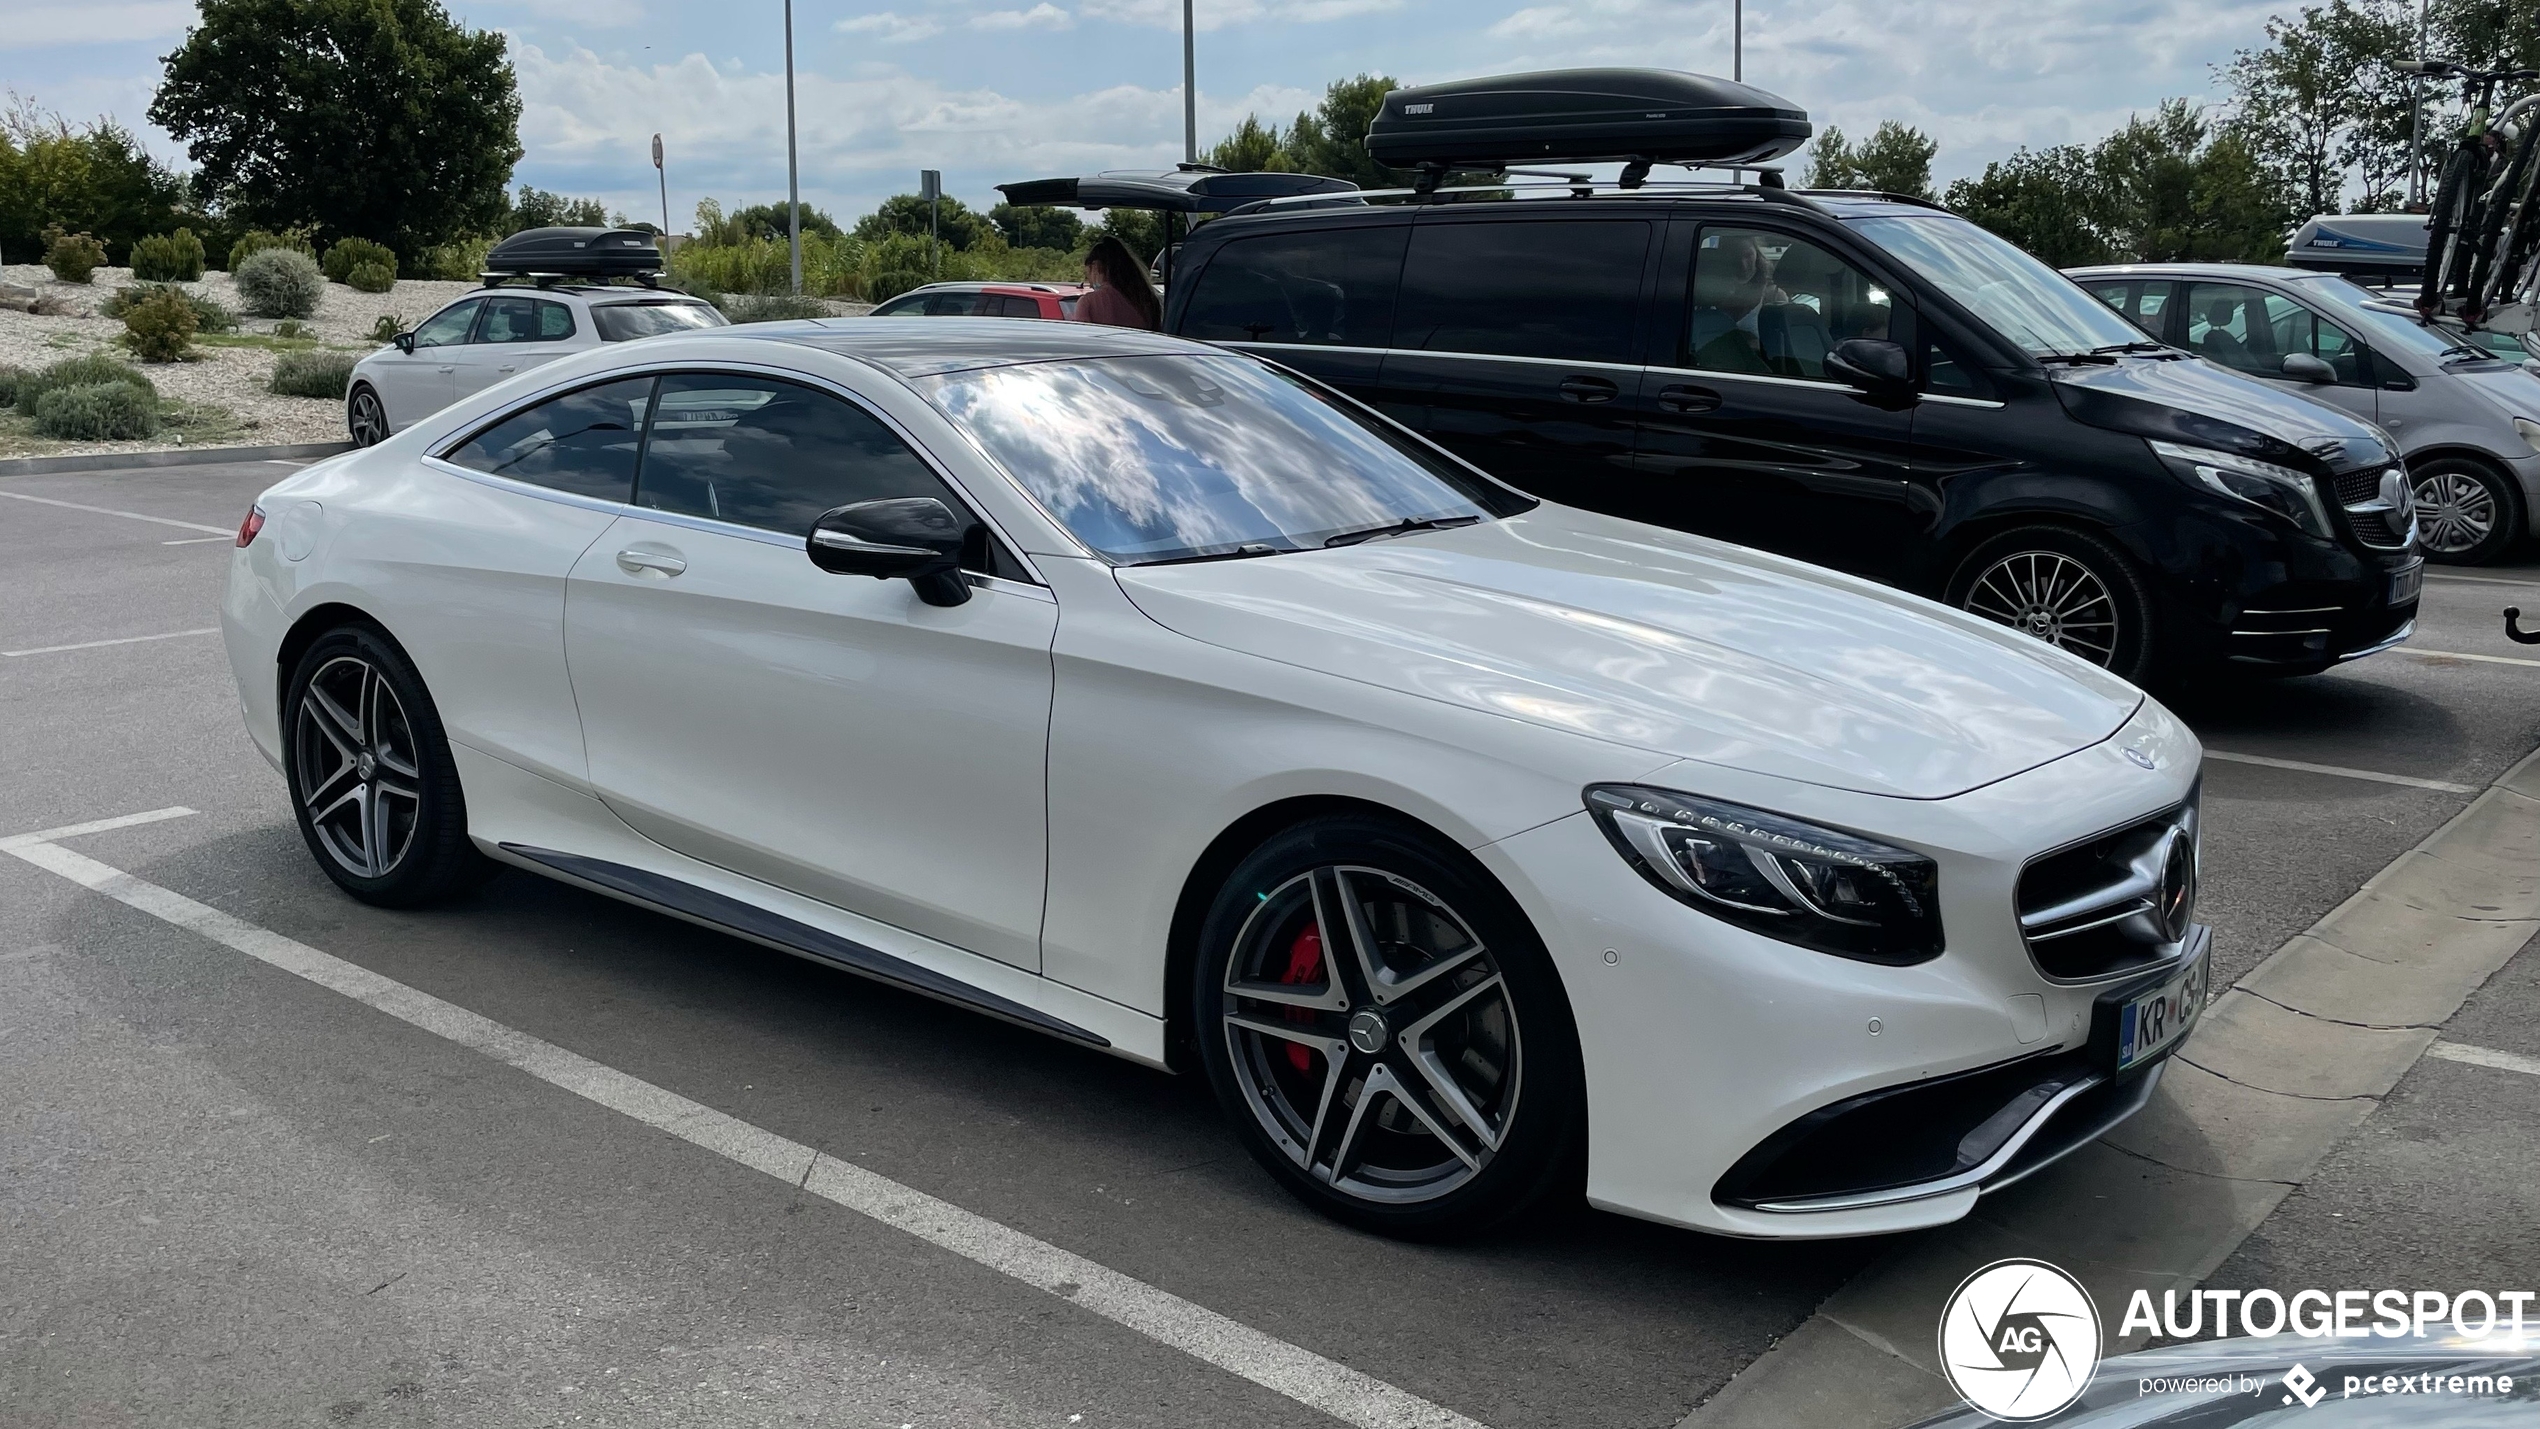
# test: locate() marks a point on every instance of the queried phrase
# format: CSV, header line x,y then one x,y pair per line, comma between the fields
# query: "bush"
x,y
290,327
257,241
10,378
371,278
280,283
210,314
97,411
173,257
160,327
80,372
459,262
352,253
769,307
883,287
312,374
72,256
386,328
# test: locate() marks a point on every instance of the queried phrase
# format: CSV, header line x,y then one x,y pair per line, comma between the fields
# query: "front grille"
x,y
2357,487
2379,520
2115,902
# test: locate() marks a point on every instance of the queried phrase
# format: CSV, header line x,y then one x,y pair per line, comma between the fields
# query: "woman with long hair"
x,y
1121,295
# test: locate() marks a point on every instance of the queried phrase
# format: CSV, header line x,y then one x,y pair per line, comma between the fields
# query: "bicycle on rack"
x,y
2482,233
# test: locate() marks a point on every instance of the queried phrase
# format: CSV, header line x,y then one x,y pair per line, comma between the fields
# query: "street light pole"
x,y
1737,40
2416,119
793,175
664,175
1190,90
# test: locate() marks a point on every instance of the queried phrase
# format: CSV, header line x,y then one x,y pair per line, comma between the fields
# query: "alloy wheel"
x,y
2053,597
2455,512
355,766
1372,1034
368,420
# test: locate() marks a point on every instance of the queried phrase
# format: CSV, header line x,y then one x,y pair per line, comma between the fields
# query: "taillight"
x,y
248,528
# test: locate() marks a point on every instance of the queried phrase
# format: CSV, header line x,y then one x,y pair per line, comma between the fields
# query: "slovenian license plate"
x,y
2151,1023
2404,585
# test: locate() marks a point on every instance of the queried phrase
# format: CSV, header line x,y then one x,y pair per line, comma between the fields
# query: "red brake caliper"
x,y
1305,964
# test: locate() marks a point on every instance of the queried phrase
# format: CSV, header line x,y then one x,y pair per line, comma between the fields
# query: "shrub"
x,y
769,307
883,287
160,327
80,372
387,327
280,283
97,411
210,314
759,266
171,257
10,377
257,241
312,374
352,253
459,262
371,278
72,256
290,327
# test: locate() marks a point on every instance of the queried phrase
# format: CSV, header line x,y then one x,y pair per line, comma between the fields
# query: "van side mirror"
x,y
405,343
2303,367
1874,365
913,538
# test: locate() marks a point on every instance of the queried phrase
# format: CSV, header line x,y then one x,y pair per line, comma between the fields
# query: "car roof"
x,y
941,345
588,292
1009,285
2194,270
1824,203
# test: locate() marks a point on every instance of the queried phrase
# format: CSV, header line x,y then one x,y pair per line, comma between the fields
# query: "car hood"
x,y
2199,403
2513,390
1664,642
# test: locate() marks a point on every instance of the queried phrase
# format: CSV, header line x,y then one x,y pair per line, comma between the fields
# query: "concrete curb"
x,y
2284,1066
180,456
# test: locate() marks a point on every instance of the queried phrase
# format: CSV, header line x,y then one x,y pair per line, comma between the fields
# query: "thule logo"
x,y
1419,109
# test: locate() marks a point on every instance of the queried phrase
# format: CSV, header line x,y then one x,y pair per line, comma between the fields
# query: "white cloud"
x,y
1043,16
889,27
1218,14
41,26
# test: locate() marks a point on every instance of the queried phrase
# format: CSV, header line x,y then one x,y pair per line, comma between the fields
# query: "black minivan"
x,y
1861,381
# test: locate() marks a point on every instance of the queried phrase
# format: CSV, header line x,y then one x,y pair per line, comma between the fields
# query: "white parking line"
x,y
2376,776
1273,1363
196,540
2485,1057
101,644
2463,655
2479,580
110,511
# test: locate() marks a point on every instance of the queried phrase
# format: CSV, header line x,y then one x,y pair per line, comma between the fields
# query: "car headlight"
x,y
2288,493
2529,431
1826,889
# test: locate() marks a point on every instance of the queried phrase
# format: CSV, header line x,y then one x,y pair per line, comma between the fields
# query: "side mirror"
x,y
912,538
1874,365
2303,367
405,343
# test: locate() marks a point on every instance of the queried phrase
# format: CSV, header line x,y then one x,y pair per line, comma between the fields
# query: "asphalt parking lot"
x,y
231,1196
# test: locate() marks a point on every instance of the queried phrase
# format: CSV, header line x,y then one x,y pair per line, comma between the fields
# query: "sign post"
x,y
930,187
664,175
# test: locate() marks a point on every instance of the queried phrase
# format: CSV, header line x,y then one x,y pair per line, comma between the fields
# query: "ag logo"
x,y
2019,1340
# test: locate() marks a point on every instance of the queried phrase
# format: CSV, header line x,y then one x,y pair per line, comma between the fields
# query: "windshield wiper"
x,y
1403,527
1243,552
2141,345
2080,359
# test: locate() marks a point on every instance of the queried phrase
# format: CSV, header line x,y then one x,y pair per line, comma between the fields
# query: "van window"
x,y
1774,305
1567,288
1330,287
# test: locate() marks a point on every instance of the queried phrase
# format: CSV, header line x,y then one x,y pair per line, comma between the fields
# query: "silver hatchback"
x,y
2468,422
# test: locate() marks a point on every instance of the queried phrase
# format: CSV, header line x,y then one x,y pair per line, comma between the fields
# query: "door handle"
x,y
1687,399
636,561
507,367
1588,389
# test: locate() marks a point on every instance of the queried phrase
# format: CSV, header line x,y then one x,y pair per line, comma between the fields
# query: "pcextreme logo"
x,y
2019,1340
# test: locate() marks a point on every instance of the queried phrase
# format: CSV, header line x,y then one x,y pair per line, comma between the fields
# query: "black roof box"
x,y
576,253
1183,190
2388,245
1584,116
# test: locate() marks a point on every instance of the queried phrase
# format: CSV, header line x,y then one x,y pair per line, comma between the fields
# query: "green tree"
x,y
97,179
1895,159
2172,188
1331,138
2485,34
378,118
2319,101
960,227
1142,229
767,220
1254,147
2043,200
537,208
1038,227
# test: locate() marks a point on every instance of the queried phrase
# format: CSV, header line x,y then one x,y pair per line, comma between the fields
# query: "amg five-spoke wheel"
x,y
376,793
1386,1031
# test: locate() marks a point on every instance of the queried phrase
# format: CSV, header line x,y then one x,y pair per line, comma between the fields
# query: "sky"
x,y
995,90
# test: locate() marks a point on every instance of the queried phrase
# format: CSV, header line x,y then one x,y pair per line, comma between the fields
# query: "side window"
x,y
952,305
583,442
448,327
1945,374
1774,305
1564,288
2298,329
900,308
2143,301
2227,323
761,452
509,319
555,322
1329,287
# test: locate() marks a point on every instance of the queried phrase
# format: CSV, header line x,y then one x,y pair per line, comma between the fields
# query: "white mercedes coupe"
x,y
1159,699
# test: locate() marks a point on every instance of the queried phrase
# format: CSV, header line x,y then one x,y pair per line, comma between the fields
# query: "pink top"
x,y
1107,304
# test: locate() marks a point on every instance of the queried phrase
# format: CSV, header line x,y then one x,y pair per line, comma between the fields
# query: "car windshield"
x,y
1149,459
2023,299
623,322
2384,328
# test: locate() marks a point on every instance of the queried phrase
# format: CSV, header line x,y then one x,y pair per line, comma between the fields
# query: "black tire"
x,y
1463,997
2026,579
365,417
372,784
2468,513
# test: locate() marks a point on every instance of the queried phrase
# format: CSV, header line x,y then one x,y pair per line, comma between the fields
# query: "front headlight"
x,y
1820,888
2280,489
2529,431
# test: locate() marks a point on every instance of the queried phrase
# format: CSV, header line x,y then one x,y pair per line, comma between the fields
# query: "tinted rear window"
x,y
1565,289
1331,287
621,322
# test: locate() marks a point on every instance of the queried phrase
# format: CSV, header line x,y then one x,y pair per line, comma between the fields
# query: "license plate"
x,y
2150,1023
2405,585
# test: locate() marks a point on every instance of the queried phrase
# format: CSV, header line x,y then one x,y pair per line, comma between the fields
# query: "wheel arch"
x,y
304,632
